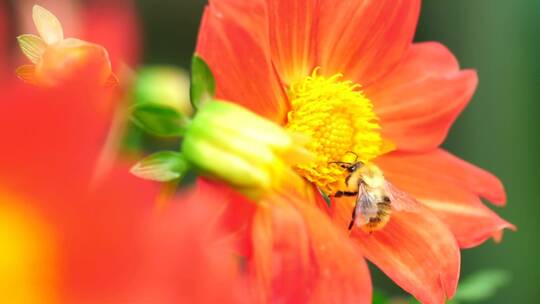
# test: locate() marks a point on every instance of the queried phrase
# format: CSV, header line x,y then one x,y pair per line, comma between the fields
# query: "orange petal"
x,y
364,39
239,59
291,33
300,256
439,180
419,100
416,250
343,273
250,15
442,165
74,60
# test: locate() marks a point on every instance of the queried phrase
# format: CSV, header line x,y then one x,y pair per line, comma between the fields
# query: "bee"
x,y
376,198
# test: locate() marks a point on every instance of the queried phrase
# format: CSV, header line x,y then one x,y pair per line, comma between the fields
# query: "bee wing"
x,y
366,206
400,200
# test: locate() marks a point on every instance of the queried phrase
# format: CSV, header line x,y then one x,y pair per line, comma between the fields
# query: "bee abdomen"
x,y
380,220
384,208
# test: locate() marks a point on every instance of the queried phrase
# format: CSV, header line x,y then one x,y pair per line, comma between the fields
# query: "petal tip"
x,y
498,235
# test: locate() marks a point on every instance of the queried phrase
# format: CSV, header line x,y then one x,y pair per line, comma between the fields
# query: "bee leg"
x,y
353,218
345,193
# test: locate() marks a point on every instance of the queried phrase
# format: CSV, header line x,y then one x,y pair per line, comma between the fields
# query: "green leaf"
x,y
161,166
481,285
160,120
203,85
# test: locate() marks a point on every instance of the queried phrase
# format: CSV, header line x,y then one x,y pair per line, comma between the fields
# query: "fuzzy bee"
x,y
375,196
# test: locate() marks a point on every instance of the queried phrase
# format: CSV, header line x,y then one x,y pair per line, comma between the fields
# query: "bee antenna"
x,y
356,155
339,163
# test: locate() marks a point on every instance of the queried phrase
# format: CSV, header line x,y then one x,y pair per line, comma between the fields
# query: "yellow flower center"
x,y
341,123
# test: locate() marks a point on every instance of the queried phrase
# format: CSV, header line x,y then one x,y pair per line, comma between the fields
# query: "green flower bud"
x,y
228,142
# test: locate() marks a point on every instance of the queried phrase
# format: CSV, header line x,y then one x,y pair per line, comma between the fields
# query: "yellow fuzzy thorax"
x,y
341,123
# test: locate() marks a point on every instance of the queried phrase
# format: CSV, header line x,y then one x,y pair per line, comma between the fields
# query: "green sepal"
x,y
162,166
326,198
160,120
32,46
203,84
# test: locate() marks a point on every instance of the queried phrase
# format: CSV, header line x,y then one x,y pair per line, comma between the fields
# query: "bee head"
x,y
350,167
355,166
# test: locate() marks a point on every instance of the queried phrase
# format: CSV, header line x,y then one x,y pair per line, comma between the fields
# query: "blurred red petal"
x,y
113,25
51,137
127,252
419,100
102,237
189,258
109,243
28,257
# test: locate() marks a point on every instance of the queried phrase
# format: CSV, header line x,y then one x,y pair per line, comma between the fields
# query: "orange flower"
x,y
347,75
57,60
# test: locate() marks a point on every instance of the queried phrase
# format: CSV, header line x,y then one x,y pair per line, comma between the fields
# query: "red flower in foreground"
x,y
69,237
347,75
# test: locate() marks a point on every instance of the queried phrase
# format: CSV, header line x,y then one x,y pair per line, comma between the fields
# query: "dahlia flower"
x,y
348,76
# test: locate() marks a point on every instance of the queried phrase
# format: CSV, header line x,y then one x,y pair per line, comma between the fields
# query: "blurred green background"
x,y
498,131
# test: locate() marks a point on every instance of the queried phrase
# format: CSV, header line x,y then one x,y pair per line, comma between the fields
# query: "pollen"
x,y
341,124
